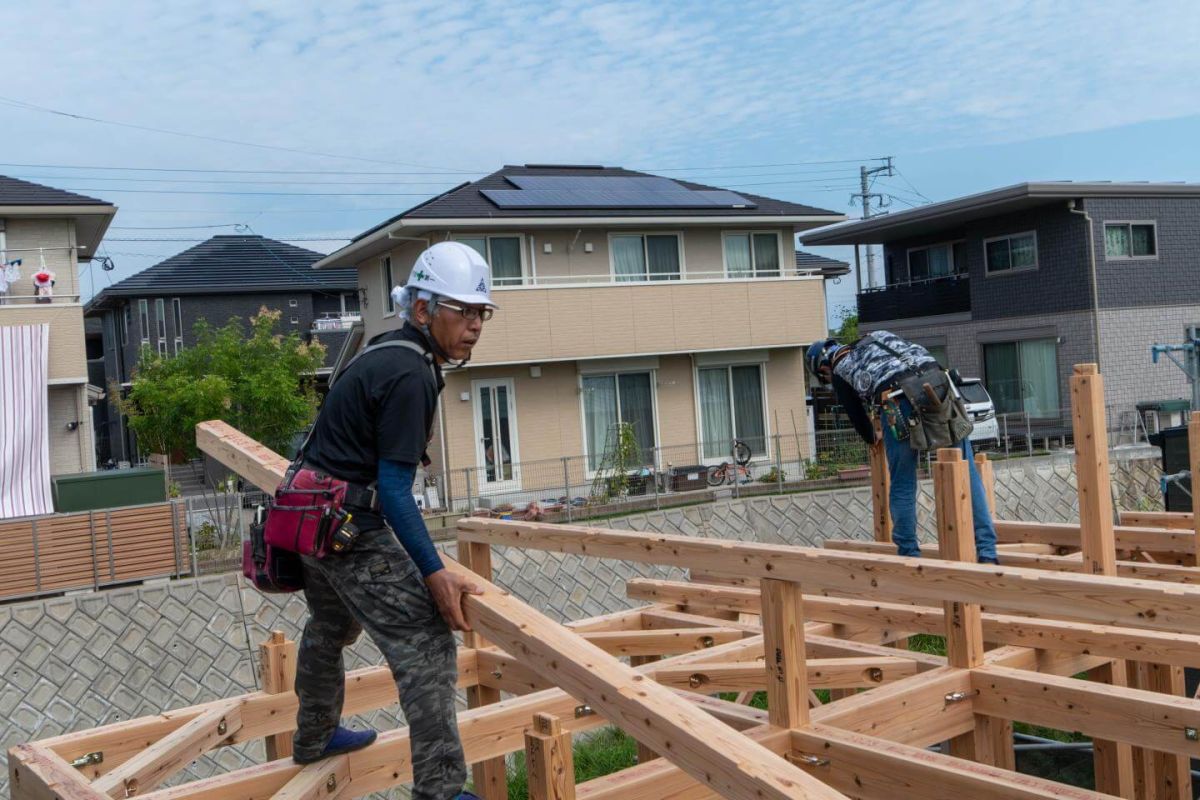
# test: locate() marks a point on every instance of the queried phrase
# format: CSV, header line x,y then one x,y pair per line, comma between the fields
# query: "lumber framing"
x,y
761,617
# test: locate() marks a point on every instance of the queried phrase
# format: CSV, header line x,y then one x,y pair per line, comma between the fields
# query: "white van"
x,y
981,410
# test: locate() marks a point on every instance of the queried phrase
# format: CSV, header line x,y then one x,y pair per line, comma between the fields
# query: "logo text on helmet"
x,y
482,287
421,275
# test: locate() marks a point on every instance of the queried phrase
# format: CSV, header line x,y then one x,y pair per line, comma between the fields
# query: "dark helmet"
x,y
818,355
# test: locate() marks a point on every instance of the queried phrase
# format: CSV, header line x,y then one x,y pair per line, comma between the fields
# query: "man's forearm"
x,y
400,510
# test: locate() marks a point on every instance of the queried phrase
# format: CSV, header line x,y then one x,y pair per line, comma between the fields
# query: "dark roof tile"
x,y
16,192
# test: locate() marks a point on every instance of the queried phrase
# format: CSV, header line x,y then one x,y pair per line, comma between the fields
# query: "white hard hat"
x,y
455,271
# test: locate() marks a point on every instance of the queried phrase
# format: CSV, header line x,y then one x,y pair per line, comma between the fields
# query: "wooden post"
x,y
783,646
491,776
1194,466
277,665
987,475
644,753
1113,761
549,762
991,740
881,487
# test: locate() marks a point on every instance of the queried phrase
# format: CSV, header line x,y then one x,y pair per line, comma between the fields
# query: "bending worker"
x,y
372,432
884,376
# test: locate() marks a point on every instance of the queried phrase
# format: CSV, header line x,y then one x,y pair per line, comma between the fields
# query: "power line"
x,y
441,182
201,239
69,115
110,189
916,191
232,171
171,227
758,166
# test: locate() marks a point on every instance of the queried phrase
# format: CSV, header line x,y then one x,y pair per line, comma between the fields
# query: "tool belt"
x,y
306,517
939,416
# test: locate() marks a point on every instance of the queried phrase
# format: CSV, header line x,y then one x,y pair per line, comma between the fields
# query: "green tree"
x,y
260,383
847,330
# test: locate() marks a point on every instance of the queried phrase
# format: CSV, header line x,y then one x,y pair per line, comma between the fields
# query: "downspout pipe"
x,y
1076,207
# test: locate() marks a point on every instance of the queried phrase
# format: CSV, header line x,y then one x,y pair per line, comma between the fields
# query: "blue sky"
x,y
966,96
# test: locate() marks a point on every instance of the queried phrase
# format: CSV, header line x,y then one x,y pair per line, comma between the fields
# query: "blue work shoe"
x,y
344,740
995,561
467,796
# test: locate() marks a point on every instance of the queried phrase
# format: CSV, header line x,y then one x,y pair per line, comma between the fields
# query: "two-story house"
x,y
624,298
223,278
1017,284
47,427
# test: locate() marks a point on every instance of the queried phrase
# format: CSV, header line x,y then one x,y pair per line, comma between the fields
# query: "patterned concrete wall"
x,y
80,661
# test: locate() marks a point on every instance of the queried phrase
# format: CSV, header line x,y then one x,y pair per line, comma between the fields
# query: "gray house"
x,y
1016,285
224,277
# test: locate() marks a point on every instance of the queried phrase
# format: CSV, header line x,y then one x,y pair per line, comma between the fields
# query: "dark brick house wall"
x,y
1169,279
1059,284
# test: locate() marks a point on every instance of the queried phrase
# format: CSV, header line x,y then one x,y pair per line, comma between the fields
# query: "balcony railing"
x,y
609,279
29,299
330,321
944,295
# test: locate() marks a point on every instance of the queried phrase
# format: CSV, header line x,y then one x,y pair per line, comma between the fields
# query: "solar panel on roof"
x,y
608,191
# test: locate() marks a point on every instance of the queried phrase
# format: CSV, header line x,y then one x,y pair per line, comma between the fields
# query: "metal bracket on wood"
x,y
958,697
88,760
810,760
584,711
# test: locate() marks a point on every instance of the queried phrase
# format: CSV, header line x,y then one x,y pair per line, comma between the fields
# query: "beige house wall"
x,y
56,238
549,413
68,361
70,451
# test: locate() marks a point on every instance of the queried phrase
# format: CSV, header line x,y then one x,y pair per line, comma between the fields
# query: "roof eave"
x,y
348,255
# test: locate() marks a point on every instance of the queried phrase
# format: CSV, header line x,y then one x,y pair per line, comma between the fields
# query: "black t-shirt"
x,y
382,406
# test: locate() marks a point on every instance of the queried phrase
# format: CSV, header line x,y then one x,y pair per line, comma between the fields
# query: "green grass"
x,y
606,751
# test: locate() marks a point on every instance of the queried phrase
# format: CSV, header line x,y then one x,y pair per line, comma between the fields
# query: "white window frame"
x,y
487,237
481,482
1129,223
783,264
160,319
728,367
954,267
126,313
1037,261
385,272
144,320
612,262
590,473
177,319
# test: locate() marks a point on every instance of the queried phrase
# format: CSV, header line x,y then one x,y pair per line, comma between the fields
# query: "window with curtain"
x,y
731,407
752,255
503,254
1010,253
645,257
611,400
1022,377
177,316
385,266
144,320
1130,240
126,312
934,261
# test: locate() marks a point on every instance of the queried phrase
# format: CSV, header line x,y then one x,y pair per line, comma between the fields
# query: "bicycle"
x,y
737,471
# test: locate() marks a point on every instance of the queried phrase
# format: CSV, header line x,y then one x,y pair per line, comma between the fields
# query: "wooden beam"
x,y
872,768
37,773
254,462
644,753
956,542
550,764
662,642
881,489
277,663
1068,563
490,777
1194,466
987,476
1174,520
841,673
327,779
1113,760
172,753
1111,601
1150,719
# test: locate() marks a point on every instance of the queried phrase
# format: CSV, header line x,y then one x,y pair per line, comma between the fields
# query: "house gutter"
x,y
1080,211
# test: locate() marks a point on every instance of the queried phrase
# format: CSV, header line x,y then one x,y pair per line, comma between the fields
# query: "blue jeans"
x,y
902,465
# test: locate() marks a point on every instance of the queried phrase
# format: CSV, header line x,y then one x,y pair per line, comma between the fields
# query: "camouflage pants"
x,y
376,586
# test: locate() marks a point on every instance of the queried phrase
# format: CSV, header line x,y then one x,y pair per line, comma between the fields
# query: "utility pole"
x,y
866,195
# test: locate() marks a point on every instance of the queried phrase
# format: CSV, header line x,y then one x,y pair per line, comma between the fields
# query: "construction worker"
x,y
372,432
884,376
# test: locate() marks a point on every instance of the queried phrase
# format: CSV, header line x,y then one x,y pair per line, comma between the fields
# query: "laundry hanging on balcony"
x,y
10,273
24,421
